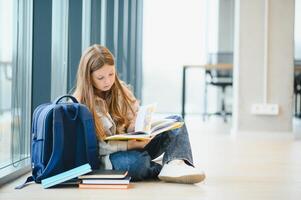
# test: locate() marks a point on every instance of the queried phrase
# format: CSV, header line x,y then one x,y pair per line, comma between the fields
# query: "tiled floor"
x,y
257,166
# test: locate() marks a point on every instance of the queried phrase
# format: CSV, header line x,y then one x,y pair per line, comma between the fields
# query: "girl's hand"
x,y
137,144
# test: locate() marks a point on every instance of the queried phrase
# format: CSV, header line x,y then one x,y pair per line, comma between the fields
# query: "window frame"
x,y
22,61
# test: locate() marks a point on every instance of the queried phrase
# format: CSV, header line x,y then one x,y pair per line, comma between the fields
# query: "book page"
x,y
144,118
166,126
158,122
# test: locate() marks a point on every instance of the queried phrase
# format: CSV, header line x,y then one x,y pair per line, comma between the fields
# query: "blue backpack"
x,y
63,137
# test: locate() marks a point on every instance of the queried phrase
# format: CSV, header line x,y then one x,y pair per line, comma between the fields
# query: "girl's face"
x,y
104,78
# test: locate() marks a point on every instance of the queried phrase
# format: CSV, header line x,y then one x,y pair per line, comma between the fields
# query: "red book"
x,y
101,186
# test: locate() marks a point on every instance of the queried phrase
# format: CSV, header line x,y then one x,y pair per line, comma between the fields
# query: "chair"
x,y
297,88
297,92
220,79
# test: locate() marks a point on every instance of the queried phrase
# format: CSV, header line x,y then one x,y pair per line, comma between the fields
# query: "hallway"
x,y
251,166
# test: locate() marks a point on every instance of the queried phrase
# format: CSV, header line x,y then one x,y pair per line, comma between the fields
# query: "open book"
x,y
146,127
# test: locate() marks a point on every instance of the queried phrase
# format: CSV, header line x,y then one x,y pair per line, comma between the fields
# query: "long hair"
x,y
95,57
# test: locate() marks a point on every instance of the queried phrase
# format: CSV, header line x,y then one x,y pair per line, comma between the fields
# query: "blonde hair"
x,y
95,57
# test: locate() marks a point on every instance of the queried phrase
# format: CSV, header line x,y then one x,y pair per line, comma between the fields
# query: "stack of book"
x,y
106,179
86,178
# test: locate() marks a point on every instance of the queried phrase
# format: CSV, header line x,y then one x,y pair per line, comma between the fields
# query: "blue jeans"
x,y
174,144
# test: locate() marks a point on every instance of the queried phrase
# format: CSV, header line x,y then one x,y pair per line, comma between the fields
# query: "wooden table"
x,y
297,68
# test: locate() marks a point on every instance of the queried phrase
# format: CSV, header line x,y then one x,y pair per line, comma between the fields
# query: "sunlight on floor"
x,y
258,166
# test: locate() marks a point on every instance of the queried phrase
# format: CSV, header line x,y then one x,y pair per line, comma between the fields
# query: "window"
x,y
15,84
173,36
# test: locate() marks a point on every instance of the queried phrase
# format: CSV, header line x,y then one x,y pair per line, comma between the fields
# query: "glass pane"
x,y
165,52
15,84
6,59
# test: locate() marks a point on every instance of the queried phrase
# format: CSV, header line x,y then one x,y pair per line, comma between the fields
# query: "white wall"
x,y
249,62
298,29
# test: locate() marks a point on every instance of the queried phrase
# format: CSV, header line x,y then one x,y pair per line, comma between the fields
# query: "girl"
x,y
114,109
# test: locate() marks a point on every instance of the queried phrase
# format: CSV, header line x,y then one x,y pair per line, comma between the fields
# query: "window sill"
x,y
11,173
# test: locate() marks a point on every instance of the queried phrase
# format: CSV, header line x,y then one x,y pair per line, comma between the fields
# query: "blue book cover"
x,y
65,176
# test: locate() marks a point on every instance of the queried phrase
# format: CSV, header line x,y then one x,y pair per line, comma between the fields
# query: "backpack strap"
x,y
28,180
90,137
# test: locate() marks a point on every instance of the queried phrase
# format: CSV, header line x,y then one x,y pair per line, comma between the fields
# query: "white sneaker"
x,y
178,171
